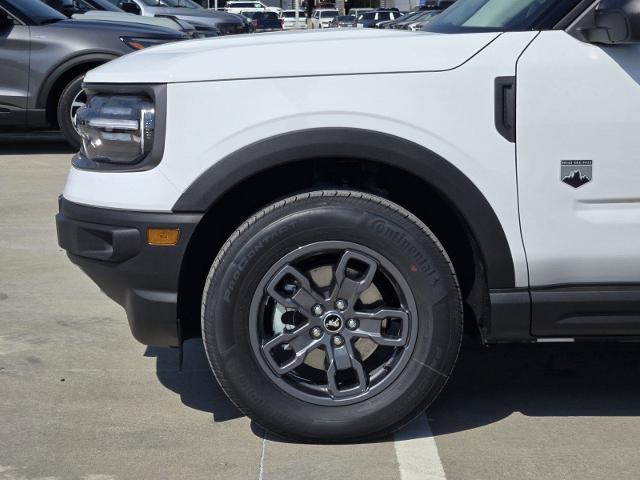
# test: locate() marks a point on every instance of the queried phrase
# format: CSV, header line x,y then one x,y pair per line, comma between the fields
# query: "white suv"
x,y
321,18
289,21
243,6
328,248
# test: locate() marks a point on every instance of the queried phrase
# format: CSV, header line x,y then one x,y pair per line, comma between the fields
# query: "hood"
x,y
261,56
118,28
103,15
197,16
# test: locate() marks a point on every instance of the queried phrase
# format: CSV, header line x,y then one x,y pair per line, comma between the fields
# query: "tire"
x,y
400,321
67,104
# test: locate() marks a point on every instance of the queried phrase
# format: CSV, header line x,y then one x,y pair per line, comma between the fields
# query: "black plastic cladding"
x,y
326,143
157,93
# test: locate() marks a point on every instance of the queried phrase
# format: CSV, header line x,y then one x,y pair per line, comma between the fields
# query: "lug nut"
x,y
288,326
338,341
352,324
316,332
341,304
317,309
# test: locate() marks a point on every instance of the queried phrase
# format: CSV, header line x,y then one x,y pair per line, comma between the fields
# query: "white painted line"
x,y
417,452
264,447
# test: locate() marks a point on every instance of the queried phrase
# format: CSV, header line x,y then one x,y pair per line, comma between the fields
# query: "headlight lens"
x,y
117,129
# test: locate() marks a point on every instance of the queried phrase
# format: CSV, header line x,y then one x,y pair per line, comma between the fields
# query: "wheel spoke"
x,y
298,341
301,296
370,326
350,289
344,358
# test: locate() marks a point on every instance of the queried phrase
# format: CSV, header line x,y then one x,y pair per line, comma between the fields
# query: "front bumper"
x,y
111,247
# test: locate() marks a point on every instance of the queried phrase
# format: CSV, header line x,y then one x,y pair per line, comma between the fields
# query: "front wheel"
x,y
332,316
71,100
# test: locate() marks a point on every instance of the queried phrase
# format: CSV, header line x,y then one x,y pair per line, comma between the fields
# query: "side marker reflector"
x,y
163,236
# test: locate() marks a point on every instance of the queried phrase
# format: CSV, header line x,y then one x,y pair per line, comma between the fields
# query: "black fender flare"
x,y
55,73
353,143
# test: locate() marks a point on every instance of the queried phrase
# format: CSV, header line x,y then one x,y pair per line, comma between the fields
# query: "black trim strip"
x,y
579,310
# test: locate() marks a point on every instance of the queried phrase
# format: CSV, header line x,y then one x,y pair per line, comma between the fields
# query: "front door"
x,y
578,165
14,80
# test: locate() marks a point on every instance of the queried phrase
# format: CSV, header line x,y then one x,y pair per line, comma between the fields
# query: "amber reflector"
x,y
163,236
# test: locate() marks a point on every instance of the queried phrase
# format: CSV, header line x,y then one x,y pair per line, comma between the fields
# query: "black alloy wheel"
x,y
332,316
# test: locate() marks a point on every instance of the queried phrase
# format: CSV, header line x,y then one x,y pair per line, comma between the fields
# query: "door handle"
x,y
505,107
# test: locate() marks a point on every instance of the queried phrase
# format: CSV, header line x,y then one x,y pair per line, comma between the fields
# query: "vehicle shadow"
x,y
33,143
488,384
538,380
195,383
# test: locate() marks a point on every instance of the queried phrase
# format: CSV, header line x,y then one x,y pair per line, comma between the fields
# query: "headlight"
x,y
138,43
116,129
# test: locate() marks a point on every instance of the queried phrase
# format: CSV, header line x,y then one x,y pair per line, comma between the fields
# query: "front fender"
x,y
353,143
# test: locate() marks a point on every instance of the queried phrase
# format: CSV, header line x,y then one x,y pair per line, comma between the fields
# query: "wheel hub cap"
x,y
333,323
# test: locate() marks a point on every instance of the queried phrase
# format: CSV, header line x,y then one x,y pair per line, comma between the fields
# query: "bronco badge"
x,y
576,172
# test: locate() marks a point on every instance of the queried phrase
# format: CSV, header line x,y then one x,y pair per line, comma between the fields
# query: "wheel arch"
x,y
61,75
403,171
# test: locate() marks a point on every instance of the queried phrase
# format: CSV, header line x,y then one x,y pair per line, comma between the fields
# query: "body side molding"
x,y
353,143
586,310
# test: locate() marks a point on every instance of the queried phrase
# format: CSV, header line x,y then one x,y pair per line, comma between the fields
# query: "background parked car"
x,y
373,18
322,17
264,21
239,7
422,20
343,21
44,57
205,21
288,18
409,23
94,10
393,23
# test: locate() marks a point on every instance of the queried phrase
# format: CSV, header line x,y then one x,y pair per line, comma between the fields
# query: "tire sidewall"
x,y
418,257
64,107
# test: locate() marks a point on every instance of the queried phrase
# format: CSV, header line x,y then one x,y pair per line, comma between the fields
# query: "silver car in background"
x,y
222,23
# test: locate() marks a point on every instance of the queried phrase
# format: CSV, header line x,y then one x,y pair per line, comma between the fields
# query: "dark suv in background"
x,y
44,57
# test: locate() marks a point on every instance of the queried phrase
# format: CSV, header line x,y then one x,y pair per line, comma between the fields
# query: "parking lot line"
x,y
264,447
417,452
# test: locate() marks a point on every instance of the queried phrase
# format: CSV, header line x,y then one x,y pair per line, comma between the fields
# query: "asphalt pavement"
x,y
81,399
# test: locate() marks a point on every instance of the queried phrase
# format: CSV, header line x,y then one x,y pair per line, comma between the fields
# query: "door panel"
x,y
579,103
578,159
14,81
